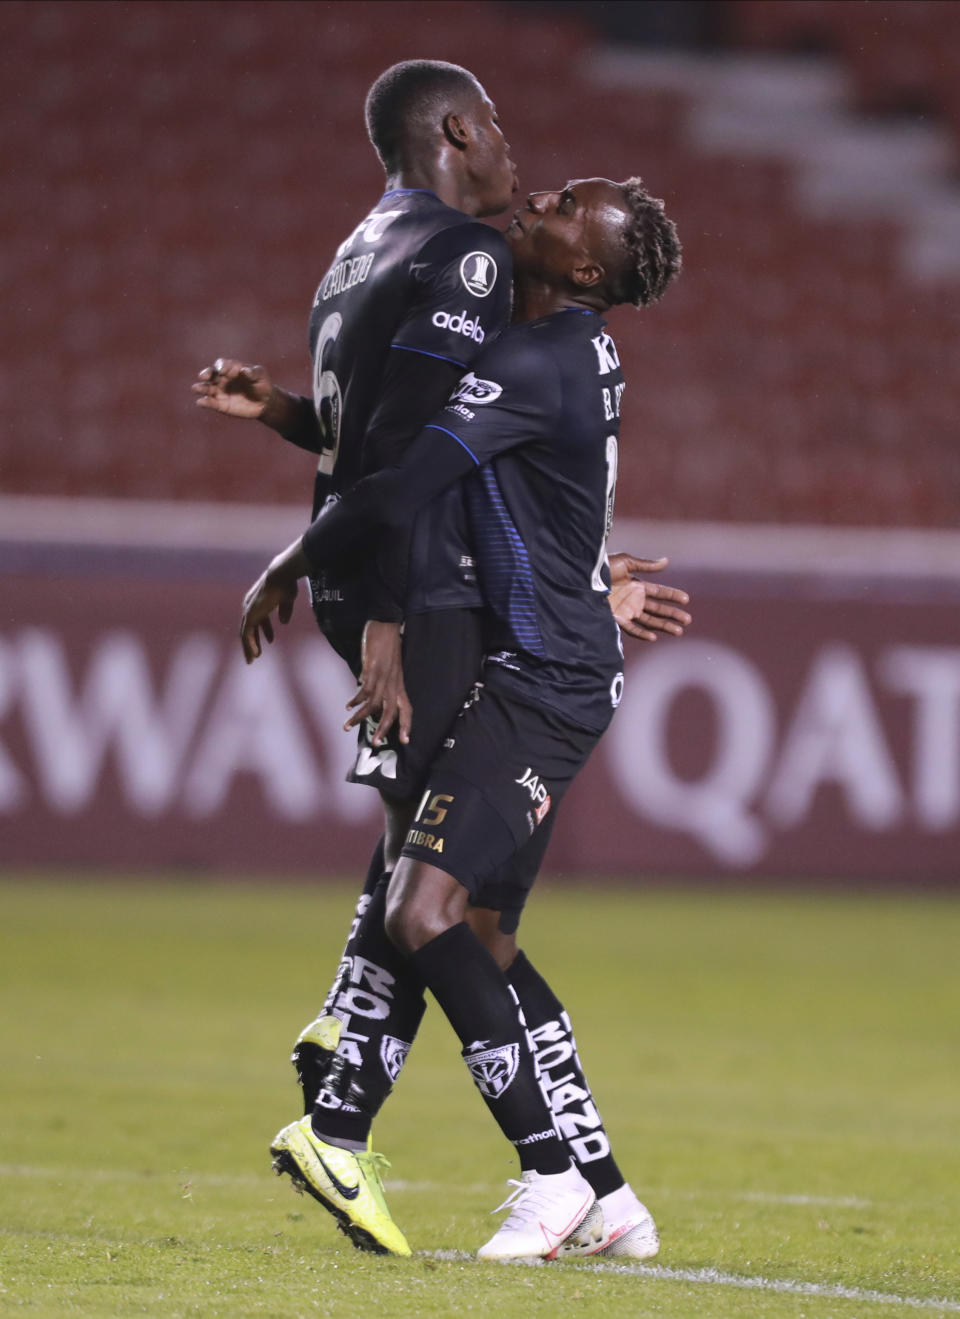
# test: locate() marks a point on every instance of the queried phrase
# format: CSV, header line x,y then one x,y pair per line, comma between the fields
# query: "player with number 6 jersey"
x,y
416,279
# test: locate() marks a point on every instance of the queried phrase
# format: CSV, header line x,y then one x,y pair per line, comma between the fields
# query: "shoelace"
x,y
372,1164
374,1160
524,1201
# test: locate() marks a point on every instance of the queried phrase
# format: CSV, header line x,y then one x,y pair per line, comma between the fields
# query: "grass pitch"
x,y
779,1075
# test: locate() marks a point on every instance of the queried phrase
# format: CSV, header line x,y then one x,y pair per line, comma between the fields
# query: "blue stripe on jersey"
x,y
505,572
431,427
423,353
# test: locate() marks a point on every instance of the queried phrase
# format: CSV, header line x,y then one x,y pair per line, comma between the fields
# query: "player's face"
x,y
555,231
493,171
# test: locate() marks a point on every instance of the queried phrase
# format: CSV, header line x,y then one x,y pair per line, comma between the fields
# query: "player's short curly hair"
x,y
653,252
404,98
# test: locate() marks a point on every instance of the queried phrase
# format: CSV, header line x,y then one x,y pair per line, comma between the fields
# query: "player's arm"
x,y
414,389
240,390
415,386
391,498
505,413
459,303
645,609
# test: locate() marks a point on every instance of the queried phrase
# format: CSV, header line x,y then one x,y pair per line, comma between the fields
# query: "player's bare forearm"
x,y
274,590
293,417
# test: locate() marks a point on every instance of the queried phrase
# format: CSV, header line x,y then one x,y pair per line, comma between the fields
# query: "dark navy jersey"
x,y
537,419
541,417
415,279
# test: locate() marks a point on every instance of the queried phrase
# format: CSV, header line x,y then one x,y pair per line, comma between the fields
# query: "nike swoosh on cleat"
x,y
348,1192
558,1237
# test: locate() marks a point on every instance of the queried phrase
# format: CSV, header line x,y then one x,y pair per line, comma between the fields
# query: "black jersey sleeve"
x,y
514,401
460,299
390,499
461,282
414,387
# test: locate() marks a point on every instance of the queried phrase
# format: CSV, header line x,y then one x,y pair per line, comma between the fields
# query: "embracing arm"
x,y
391,498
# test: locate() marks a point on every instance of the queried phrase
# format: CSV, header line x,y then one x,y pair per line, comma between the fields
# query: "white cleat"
x,y
627,1231
544,1210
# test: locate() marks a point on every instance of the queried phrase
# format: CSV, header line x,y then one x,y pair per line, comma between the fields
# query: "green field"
x,y
780,1075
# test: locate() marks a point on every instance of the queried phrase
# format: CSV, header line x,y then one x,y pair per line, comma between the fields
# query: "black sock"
x,y
380,1004
482,1009
561,1077
310,1057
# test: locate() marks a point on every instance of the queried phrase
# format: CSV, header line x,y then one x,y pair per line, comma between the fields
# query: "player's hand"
x,y
276,589
233,388
382,692
645,609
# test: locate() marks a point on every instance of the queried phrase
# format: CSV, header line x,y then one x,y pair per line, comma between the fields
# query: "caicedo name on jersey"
x,y
345,275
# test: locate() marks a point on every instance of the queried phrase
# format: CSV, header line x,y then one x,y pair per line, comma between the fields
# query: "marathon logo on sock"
x,y
564,1088
459,323
393,1054
494,1069
536,1137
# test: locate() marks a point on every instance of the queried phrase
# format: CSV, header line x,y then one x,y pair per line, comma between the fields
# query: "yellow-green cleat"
x,y
345,1182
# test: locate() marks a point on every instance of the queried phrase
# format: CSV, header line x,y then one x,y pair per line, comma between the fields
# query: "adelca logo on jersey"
x,y
459,323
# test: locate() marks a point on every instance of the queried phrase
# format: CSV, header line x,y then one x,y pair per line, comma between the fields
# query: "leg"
x,y
629,1230
425,917
317,1043
359,1044
442,654
628,1227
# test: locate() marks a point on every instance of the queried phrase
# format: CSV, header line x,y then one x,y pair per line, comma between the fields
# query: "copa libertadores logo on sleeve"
x,y
479,273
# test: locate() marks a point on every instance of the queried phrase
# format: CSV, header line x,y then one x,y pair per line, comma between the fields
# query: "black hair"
x,y
402,101
653,251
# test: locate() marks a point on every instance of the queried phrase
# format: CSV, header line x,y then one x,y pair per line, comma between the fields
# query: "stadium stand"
x,y
902,53
176,177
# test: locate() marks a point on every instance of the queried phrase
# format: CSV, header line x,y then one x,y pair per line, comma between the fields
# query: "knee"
x,y
410,924
421,904
485,924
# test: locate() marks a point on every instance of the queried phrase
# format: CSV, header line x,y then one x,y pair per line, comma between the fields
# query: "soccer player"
x,y
535,427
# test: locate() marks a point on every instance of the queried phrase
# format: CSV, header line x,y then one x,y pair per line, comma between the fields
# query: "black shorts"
x,y
489,802
442,659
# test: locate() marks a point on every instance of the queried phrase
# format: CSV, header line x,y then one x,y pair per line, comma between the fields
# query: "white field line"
x,y
399,1186
658,1272
743,1282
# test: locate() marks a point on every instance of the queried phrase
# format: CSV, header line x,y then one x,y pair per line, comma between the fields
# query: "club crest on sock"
x,y
494,1069
393,1054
